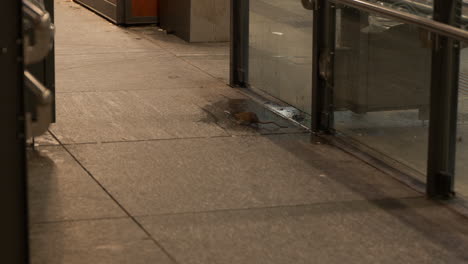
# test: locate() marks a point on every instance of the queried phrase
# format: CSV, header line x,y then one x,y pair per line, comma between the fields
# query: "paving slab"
x,y
74,62
132,72
130,115
111,241
215,65
99,42
384,231
59,189
174,176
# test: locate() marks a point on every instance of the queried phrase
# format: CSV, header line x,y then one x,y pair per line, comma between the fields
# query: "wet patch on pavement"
x,y
223,113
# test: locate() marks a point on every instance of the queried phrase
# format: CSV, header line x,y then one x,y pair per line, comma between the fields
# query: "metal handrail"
x,y
425,23
37,43
423,8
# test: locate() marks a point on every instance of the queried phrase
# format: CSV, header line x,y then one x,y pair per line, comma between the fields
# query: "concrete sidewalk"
x,y
144,166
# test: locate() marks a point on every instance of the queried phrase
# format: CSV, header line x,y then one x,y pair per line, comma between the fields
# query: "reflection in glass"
x,y
280,50
382,86
416,7
461,180
464,14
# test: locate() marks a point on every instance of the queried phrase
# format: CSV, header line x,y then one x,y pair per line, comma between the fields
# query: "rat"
x,y
249,118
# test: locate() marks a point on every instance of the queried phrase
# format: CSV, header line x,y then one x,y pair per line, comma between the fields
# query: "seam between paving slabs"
x,y
317,204
132,90
171,139
157,243
78,220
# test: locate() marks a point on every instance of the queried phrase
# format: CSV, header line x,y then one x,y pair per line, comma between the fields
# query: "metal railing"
x,y
422,22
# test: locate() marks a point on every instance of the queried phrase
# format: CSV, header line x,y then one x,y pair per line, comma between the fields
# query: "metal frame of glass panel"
x,y
239,43
444,73
14,229
444,103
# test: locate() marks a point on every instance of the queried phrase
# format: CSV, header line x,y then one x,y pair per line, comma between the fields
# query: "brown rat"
x,y
249,118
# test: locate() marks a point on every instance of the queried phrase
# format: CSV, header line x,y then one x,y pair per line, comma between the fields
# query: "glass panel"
x,y
461,166
280,51
461,180
382,87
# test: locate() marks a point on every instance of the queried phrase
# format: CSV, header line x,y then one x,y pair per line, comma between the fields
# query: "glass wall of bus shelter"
x,y
461,168
382,74
382,90
280,51
382,86
379,92
280,41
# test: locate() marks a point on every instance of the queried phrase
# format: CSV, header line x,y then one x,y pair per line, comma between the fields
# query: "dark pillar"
x,y
239,43
444,104
13,223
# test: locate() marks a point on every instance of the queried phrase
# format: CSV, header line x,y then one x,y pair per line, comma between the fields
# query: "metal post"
x,y
239,43
323,66
121,8
317,87
444,104
13,199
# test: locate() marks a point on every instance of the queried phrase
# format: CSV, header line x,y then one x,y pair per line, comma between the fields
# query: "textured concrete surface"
x,y
88,117
133,71
94,241
130,115
223,173
144,165
379,231
59,189
215,65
